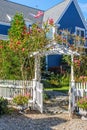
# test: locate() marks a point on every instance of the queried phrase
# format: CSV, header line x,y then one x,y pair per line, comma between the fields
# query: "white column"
x,y
72,70
35,74
34,93
37,77
71,89
37,68
53,28
35,80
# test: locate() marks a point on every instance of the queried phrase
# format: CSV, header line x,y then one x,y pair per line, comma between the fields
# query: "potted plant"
x,y
82,104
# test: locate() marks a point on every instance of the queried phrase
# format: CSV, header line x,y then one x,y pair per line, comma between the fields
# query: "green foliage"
x,y
79,64
3,105
52,80
82,103
9,60
20,100
15,59
66,59
45,96
56,81
80,67
83,66
15,55
17,27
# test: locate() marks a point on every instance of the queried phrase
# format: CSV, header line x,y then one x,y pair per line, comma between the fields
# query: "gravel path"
x,y
33,121
50,120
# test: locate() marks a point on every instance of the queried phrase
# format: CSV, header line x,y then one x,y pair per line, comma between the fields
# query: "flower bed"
x,y
82,103
21,99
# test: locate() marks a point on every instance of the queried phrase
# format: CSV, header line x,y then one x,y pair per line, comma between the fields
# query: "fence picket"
x,y
11,88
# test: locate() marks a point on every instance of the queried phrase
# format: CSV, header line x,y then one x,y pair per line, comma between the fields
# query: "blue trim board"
x,y
4,29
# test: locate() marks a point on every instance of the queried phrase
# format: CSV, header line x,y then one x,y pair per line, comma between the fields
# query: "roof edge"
x,y
70,1
80,13
24,5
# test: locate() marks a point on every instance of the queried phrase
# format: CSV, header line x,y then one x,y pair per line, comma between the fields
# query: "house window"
x,y
28,24
80,31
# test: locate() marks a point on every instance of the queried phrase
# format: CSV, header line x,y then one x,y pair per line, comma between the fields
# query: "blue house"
x,y
67,15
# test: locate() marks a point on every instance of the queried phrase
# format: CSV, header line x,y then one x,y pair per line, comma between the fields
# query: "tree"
x,y
16,61
16,55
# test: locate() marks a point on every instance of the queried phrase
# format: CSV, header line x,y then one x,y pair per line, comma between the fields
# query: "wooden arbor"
x,y
52,49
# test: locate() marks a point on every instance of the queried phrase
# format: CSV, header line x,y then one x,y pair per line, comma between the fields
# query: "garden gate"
x,y
38,95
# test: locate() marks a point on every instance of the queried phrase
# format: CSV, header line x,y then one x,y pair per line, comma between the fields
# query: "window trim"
x,y
80,29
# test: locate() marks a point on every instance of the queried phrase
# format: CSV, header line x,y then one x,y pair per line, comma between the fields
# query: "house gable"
x,y
71,19
56,11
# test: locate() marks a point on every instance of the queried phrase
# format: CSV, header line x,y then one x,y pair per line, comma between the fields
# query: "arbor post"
x,y
71,89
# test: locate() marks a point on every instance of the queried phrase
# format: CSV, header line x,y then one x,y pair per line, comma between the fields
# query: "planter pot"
x,y
82,112
20,107
84,118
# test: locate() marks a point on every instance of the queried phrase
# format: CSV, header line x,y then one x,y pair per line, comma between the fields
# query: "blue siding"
x,y
4,29
54,60
70,19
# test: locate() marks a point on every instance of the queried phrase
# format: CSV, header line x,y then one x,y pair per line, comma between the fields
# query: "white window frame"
x,y
80,29
27,23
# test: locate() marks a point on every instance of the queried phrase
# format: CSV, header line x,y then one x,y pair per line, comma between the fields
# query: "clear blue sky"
x,y
45,4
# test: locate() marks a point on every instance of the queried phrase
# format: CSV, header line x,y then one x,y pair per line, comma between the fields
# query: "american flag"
x,y
38,15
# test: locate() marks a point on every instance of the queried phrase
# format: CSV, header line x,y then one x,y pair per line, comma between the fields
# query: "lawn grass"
x,y
64,89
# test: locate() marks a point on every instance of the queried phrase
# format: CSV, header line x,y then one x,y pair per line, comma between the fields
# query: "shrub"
x,y
46,96
82,103
3,105
21,100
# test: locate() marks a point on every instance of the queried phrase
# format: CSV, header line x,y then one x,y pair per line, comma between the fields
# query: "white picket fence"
x,y
79,92
80,89
11,88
